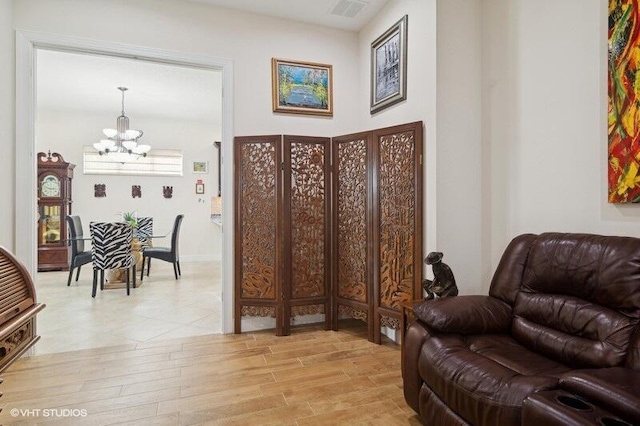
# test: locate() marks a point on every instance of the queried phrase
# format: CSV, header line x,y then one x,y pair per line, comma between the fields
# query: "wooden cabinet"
x,y
54,204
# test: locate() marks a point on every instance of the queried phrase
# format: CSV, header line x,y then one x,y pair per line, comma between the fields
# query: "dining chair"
x,y
144,231
111,249
79,256
167,254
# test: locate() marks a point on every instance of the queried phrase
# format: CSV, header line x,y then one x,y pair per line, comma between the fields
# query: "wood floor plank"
x,y
274,416
129,379
355,399
313,377
326,390
360,414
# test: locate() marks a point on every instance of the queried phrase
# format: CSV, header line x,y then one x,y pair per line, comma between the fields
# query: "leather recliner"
x,y
556,341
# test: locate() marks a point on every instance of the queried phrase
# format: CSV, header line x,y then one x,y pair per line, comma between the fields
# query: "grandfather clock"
x,y
54,204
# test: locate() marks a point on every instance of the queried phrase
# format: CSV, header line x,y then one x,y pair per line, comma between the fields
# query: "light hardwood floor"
x,y
313,377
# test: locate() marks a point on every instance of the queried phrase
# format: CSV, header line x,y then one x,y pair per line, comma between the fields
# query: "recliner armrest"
x,y
614,388
466,314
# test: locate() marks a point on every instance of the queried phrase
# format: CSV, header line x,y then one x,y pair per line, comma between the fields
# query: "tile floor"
x,y
162,308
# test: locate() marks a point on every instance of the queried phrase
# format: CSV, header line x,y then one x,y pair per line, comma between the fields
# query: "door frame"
x,y
27,43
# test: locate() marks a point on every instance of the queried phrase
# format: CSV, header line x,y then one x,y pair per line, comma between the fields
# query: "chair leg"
x,y
78,272
128,274
175,270
71,275
142,269
179,271
101,279
95,283
148,265
134,275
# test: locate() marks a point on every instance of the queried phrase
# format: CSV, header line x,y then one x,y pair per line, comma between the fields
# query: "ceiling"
x,y
83,82
317,12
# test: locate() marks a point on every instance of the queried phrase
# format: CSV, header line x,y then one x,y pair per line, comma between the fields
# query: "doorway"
x,y
27,45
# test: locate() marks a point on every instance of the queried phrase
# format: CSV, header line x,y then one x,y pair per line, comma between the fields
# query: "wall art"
x,y
302,87
99,190
200,167
624,102
389,67
199,188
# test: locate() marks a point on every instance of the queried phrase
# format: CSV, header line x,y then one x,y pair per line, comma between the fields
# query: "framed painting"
x,y
302,87
201,167
624,102
199,188
389,67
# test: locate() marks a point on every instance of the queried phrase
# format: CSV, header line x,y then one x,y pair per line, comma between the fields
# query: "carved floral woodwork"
x,y
308,198
259,311
397,215
362,258
353,312
352,220
258,193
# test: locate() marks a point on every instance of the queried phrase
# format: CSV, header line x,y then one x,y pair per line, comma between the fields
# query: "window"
x,y
158,162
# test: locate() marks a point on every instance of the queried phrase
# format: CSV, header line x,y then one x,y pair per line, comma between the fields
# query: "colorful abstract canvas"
x,y
624,102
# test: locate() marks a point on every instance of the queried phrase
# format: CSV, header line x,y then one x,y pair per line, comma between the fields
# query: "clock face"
x,y
50,186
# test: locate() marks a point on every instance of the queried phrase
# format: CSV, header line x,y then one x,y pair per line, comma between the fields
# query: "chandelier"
x,y
122,142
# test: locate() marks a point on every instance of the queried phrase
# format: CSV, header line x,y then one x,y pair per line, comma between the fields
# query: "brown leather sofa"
x,y
556,341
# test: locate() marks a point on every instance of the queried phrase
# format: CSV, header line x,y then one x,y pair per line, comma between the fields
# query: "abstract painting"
x,y
624,102
302,87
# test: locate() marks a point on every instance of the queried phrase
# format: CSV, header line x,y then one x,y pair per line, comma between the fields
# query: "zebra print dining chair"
x,y
144,231
111,249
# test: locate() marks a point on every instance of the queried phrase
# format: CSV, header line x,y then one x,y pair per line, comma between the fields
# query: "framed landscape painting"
x,y
302,87
389,67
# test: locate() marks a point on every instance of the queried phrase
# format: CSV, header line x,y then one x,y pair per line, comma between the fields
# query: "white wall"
x,y
67,131
247,39
547,110
459,170
7,124
421,89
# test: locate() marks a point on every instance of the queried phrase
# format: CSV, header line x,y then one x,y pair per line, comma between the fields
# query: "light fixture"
x,y
122,142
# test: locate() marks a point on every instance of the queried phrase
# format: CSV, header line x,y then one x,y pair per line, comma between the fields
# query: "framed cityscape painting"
x,y
302,87
624,102
389,67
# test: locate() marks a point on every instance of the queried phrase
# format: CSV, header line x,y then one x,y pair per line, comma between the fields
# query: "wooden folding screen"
x,y
307,243
352,226
282,228
377,225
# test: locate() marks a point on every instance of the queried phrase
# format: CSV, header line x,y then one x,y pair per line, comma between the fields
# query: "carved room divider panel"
x,y
257,245
353,222
307,244
377,223
282,228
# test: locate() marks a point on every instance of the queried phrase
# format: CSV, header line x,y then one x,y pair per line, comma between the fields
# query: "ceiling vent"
x,y
348,8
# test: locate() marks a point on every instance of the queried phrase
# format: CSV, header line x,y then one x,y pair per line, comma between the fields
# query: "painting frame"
x,y
200,167
623,103
389,77
310,99
199,188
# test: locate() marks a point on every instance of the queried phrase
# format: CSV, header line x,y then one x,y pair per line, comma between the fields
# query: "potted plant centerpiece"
x,y
131,218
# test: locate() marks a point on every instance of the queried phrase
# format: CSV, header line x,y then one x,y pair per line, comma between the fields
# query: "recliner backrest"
x,y
579,300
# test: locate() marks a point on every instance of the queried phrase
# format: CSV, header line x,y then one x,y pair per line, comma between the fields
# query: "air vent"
x,y
348,8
